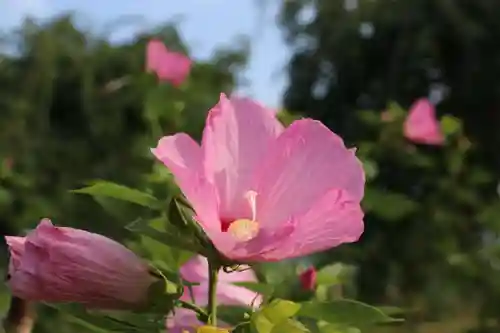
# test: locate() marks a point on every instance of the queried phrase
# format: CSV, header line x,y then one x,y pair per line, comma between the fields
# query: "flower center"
x,y
246,229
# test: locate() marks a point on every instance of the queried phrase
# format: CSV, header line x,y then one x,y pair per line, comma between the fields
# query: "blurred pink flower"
x,y
386,117
169,66
196,271
308,278
58,264
421,125
8,163
265,193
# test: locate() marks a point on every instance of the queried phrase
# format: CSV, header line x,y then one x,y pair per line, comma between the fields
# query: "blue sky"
x,y
204,24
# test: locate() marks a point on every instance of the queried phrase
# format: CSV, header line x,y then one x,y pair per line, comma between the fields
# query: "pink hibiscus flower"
x,y
263,192
421,125
169,66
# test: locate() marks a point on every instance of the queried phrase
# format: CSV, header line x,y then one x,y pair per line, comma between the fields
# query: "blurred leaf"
x,y
329,275
388,205
391,310
100,322
269,316
120,192
370,167
290,326
331,328
344,312
279,310
211,329
233,314
261,288
451,125
286,118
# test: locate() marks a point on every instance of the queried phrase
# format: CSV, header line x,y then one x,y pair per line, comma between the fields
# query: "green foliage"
x,y
120,192
424,205
76,108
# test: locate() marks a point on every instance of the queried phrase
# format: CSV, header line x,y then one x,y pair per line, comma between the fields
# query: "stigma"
x,y
246,229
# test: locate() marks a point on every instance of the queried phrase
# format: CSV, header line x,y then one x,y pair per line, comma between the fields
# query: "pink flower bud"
x,y
58,264
421,125
308,279
169,66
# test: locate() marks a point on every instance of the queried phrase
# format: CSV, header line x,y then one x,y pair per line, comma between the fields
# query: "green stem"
x,y
213,272
190,306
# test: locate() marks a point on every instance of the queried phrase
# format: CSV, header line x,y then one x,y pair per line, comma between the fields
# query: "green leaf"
x,y
279,310
233,315
261,323
388,205
344,313
101,322
331,328
171,237
171,257
261,288
120,192
264,320
451,125
162,295
175,216
290,326
330,275
391,310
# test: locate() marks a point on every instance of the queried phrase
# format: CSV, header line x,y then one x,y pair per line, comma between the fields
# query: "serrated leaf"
x,y
120,192
344,313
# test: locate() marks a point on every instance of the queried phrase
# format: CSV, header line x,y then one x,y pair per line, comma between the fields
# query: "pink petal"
x,y
16,251
302,165
421,125
334,219
182,320
167,65
196,270
174,68
155,50
183,157
236,135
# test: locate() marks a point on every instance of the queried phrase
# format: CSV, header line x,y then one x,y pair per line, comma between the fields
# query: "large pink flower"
x,y
196,271
262,192
169,66
421,125
57,264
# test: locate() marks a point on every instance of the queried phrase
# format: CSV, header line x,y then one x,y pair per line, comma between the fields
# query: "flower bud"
x,y
308,279
58,264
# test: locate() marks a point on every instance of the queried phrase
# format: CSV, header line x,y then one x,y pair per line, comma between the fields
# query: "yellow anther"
x,y
244,229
